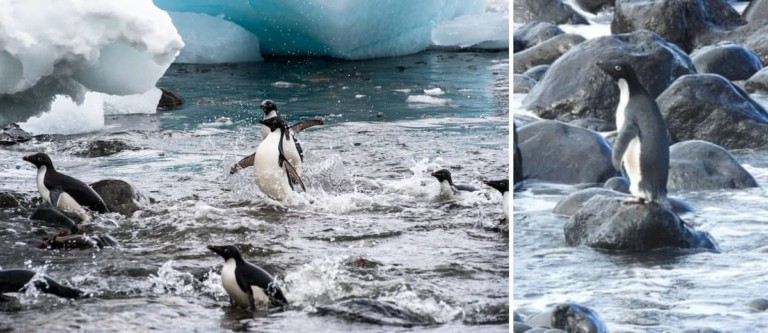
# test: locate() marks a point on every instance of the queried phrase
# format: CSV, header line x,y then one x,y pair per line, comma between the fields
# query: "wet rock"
x,y
517,44
8,200
593,124
590,93
49,214
12,134
551,11
571,204
542,319
544,53
101,148
756,12
594,6
732,61
699,165
758,82
533,33
758,304
618,184
519,327
562,153
489,314
169,100
361,262
680,22
709,107
522,84
374,312
605,222
517,317
119,196
536,72
576,318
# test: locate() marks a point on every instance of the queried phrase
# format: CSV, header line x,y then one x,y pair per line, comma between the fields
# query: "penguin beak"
x,y
28,159
216,249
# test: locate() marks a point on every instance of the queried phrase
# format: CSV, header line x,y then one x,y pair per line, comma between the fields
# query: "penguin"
x,y
69,195
503,187
517,167
248,285
642,143
274,161
448,189
17,280
270,110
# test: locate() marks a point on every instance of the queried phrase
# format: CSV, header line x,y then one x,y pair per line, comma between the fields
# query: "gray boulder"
x,y
101,148
594,6
756,12
533,33
562,153
522,84
758,82
732,61
536,72
709,107
545,52
552,11
169,100
119,196
12,134
574,201
699,165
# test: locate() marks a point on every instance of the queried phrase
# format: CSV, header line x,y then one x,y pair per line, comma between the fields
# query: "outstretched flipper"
x,y
304,124
244,163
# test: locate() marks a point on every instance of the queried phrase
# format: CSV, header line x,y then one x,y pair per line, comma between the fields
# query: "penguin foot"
x,y
634,200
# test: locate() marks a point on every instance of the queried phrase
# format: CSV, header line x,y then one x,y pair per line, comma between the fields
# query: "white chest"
x,y
446,192
229,282
631,160
270,177
41,185
623,101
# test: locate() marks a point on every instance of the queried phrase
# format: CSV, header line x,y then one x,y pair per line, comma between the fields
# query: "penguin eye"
x,y
618,68
39,159
226,251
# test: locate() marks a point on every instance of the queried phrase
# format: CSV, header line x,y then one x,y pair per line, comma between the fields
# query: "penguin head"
x,y
274,123
501,185
268,106
226,251
617,69
443,174
39,159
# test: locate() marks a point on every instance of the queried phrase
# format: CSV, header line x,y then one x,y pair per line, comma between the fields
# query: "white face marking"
x,y
41,185
623,101
631,161
229,282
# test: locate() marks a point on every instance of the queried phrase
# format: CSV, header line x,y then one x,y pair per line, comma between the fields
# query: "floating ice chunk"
x,y
488,31
404,91
434,91
67,117
214,40
349,29
424,99
139,103
283,84
359,96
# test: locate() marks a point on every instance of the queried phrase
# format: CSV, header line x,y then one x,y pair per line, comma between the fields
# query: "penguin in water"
x,y
248,285
274,161
449,190
503,187
69,195
17,280
642,143
270,110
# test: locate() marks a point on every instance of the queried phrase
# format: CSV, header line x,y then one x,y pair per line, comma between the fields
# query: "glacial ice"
x,y
68,117
139,103
70,47
465,31
210,40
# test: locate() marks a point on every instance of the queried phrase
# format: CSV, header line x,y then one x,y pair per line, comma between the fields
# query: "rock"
x,y
533,33
699,165
576,318
517,44
604,222
8,200
169,100
572,203
590,93
594,6
12,134
49,214
101,148
374,312
562,153
756,12
517,317
752,36
709,107
618,184
518,327
542,319
758,82
758,304
119,196
679,22
732,61
536,72
593,124
522,84
552,11
544,53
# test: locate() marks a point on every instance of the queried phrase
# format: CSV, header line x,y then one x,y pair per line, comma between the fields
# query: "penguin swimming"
x,y
448,189
274,161
17,280
248,285
642,143
503,187
71,196
270,110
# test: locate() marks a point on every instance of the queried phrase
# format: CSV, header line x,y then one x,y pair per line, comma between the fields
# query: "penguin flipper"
x,y
242,164
628,132
293,176
55,194
304,124
83,194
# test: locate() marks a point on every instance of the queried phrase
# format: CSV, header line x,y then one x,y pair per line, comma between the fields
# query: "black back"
x,y
58,183
248,275
15,280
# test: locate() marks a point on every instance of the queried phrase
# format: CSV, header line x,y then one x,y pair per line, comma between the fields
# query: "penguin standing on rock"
x,y
642,143
247,285
69,195
448,189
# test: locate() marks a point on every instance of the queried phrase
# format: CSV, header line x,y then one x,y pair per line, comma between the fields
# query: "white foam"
x,y
68,117
138,103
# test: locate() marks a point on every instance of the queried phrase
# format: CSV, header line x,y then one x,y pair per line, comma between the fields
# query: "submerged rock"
x,y
562,153
545,52
169,100
374,312
551,11
12,134
574,318
606,223
8,200
699,165
101,148
709,107
119,196
574,87
732,61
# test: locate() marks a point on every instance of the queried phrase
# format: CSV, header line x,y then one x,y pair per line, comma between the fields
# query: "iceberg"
x,y
212,40
346,29
53,49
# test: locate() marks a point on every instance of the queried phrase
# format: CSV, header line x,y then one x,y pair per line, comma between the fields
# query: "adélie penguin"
x,y
248,285
503,187
276,162
17,280
69,195
448,189
270,110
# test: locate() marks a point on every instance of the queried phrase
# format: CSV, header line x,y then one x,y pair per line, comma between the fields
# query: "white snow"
x,y
424,99
214,40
